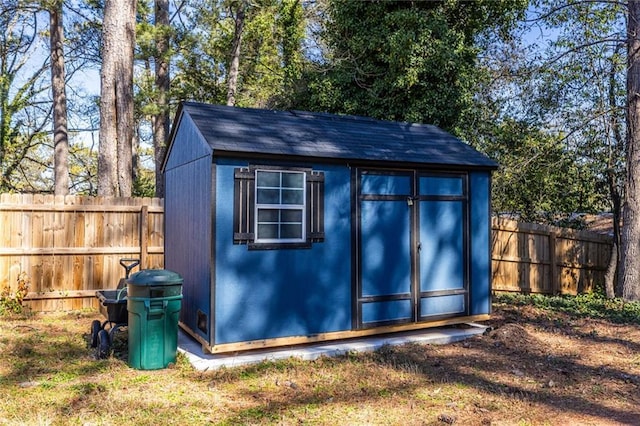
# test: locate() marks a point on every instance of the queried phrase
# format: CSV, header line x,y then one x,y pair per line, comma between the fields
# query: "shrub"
x,y
12,303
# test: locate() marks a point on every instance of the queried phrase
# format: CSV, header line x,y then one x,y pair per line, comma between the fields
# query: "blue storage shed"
x,y
291,227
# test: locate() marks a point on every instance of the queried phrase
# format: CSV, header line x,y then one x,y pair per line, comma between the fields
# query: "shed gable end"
x,y
186,145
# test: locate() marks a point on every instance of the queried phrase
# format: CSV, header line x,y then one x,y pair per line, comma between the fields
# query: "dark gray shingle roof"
x,y
319,135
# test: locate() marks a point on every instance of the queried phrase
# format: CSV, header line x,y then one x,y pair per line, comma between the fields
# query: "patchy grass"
x,y
590,305
547,361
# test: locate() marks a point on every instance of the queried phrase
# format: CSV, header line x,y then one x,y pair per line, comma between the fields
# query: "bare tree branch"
x,y
569,5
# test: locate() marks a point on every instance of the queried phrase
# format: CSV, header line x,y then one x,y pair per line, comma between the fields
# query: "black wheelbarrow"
x,y
113,306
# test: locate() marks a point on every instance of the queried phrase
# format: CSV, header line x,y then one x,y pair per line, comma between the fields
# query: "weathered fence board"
x,y
71,246
533,258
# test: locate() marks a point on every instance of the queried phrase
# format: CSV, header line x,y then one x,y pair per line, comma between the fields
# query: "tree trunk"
x,y
611,281
115,153
630,265
610,273
234,67
160,121
616,152
60,133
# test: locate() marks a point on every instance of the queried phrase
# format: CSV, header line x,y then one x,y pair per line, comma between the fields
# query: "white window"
x,y
280,206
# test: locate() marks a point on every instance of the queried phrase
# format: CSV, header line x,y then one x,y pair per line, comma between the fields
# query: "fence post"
x,y
553,263
144,242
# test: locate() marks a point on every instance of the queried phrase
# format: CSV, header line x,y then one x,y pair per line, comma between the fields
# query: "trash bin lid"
x,y
154,277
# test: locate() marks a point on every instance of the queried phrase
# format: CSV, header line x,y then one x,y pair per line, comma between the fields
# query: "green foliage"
x,y
23,115
148,36
26,151
83,169
403,61
550,111
144,184
588,305
271,52
199,71
581,80
11,302
539,180
291,28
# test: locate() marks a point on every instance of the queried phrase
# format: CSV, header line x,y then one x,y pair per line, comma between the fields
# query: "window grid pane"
x,y
280,224
280,206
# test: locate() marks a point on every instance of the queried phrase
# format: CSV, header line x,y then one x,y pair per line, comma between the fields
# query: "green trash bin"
x,y
154,299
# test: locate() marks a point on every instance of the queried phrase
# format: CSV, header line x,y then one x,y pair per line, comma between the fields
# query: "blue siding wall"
x,y
479,183
188,219
262,294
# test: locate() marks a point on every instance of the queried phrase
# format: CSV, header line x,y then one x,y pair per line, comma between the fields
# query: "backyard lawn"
x,y
546,361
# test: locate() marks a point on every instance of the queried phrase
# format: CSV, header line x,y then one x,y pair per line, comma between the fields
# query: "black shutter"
x,y
243,205
315,206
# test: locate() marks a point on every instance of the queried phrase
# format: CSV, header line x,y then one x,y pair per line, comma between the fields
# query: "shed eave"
x,y
176,123
353,161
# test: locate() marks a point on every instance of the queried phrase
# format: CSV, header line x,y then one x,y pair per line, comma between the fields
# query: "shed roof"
x,y
320,135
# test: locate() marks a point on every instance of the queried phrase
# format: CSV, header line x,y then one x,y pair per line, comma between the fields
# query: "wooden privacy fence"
x,y
533,258
71,246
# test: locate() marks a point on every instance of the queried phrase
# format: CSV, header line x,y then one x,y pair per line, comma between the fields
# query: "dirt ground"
x,y
534,366
546,367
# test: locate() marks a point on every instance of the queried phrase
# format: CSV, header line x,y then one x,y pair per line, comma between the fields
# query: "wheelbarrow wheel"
x,y
104,345
95,329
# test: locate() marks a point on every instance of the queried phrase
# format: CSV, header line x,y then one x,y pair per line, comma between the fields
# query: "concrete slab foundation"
x,y
203,362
